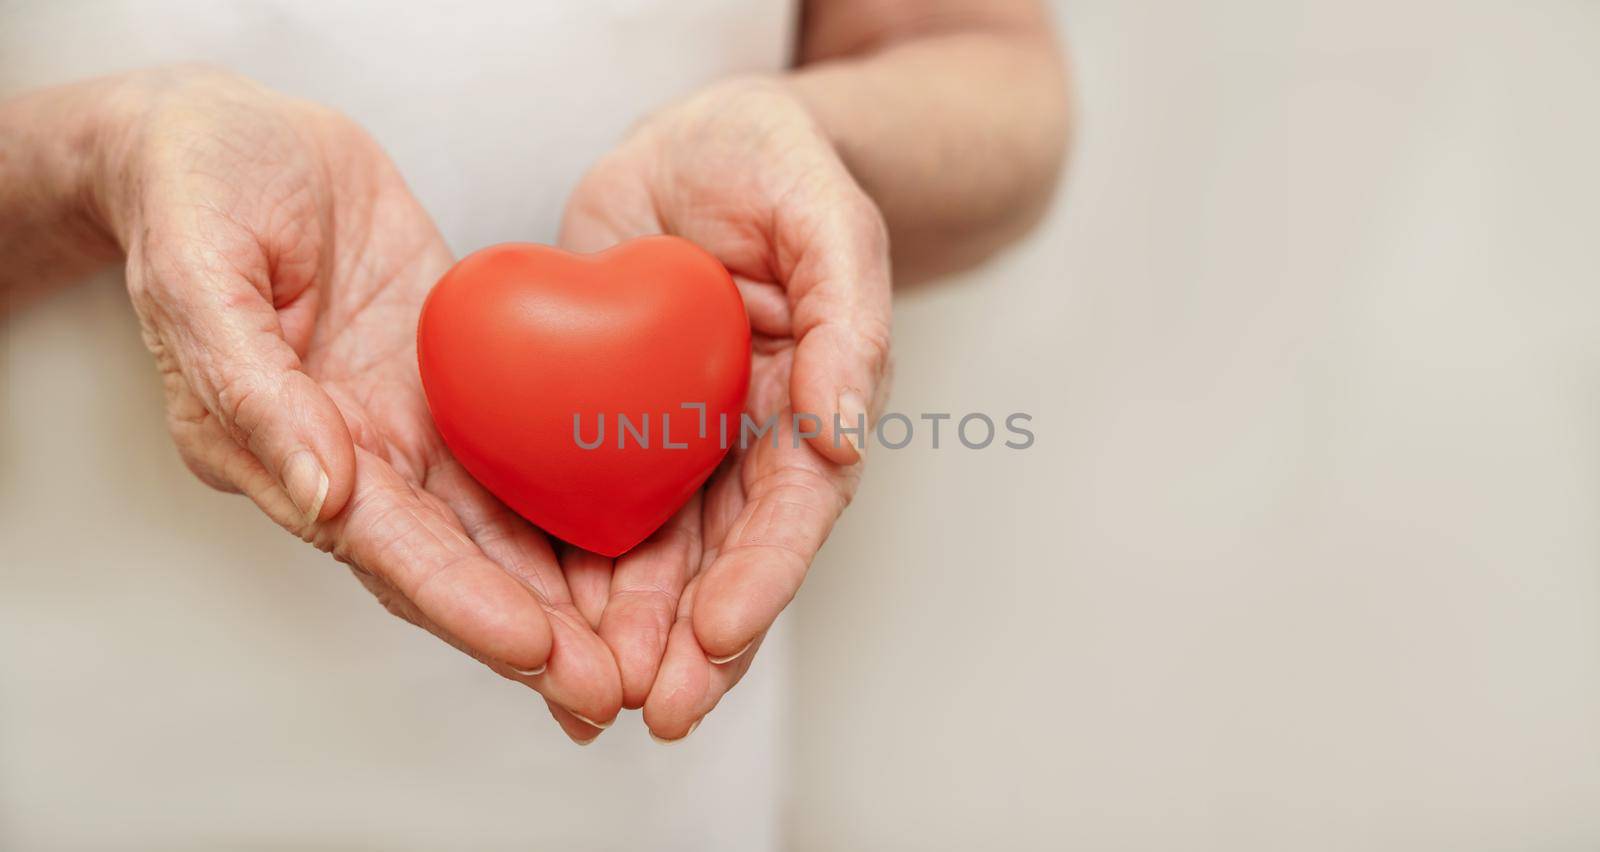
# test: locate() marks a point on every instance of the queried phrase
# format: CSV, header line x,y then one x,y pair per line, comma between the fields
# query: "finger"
x,y
721,501
580,674
576,729
767,306
407,539
838,284
210,453
793,498
579,729
221,330
589,579
689,685
645,588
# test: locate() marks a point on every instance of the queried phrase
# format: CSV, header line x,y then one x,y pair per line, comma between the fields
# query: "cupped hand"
x,y
278,264
744,171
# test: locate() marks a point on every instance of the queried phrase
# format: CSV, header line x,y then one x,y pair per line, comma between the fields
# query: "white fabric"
x,y
175,672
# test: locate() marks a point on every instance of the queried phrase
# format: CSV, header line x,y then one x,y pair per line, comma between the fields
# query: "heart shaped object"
x,y
529,353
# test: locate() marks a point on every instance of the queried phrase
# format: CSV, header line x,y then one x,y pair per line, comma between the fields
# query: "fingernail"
x,y
665,741
306,483
731,657
853,413
587,741
528,672
588,721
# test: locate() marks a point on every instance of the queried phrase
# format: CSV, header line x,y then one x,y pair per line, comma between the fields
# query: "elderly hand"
x,y
744,171
278,263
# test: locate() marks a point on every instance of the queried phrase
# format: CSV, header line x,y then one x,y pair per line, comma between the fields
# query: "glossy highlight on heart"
x,y
525,347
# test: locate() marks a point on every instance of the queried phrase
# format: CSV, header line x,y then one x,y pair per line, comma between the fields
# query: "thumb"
x,y
225,337
291,425
841,295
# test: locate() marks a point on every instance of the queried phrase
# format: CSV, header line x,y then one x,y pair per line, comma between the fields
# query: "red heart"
x,y
517,339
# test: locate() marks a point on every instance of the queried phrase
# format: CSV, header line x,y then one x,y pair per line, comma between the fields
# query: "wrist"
x,y
66,175
100,142
51,141
110,174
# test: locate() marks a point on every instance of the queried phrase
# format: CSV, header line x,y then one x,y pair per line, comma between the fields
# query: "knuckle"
x,y
240,397
655,599
875,336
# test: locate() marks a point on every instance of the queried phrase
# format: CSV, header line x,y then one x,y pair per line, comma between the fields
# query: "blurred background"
x,y
1306,555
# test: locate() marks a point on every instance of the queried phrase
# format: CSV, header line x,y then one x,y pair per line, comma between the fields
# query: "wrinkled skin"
x,y
278,263
744,171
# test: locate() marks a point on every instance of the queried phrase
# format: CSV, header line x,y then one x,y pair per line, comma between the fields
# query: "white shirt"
x,y
176,670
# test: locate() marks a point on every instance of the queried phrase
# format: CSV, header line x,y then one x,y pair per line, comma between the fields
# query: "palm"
x,y
756,187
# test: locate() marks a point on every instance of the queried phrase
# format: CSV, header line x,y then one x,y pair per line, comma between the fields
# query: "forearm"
x,y
957,128
50,185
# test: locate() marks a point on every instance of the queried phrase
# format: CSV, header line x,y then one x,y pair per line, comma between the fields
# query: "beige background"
x,y
1306,556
